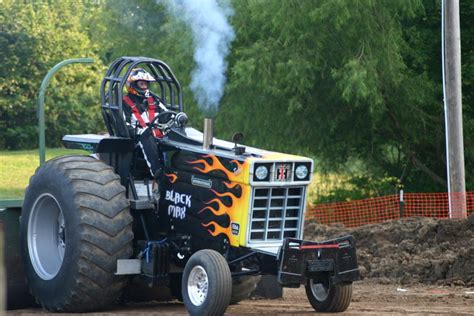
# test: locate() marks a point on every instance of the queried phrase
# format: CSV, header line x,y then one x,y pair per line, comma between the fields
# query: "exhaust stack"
x,y
208,133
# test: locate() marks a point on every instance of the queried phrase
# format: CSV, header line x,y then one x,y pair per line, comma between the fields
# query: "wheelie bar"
x,y
300,260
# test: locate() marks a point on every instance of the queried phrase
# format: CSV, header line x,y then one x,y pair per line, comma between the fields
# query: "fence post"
x,y
402,203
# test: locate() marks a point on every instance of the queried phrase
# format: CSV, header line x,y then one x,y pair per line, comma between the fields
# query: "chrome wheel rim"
x,y
319,289
46,236
198,283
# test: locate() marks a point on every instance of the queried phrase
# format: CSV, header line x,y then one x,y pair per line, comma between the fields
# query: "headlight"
x,y
261,172
301,172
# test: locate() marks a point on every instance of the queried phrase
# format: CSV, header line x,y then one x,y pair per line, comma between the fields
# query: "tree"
x,y
342,80
34,36
347,82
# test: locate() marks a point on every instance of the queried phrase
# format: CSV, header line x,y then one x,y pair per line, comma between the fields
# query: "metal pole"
x,y
446,127
42,92
402,204
452,67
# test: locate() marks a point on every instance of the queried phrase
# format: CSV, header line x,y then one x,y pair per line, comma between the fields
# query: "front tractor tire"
x,y
75,224
327,297
207,283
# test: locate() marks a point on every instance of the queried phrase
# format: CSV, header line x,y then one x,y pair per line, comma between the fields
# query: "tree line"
x,y
354,84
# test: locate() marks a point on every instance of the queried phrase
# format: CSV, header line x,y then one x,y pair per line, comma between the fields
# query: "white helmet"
x,y
138,74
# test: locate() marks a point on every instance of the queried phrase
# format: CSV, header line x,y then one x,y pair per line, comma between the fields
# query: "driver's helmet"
x,y
138,74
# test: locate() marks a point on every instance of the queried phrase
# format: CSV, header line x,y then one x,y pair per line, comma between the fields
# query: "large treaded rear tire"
x,y
327,297
75,224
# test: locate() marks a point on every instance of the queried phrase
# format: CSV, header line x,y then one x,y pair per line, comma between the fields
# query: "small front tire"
x,y
327,297
206,284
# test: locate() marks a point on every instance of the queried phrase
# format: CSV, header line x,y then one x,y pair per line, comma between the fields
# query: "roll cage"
x,y
112,87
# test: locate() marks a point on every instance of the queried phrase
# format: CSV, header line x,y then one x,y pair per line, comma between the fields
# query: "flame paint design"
x,y
221,209
238,193
230,185
233,199
217,165
172,177
218,229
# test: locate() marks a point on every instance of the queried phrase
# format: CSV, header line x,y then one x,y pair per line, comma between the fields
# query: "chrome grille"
x,y
276,213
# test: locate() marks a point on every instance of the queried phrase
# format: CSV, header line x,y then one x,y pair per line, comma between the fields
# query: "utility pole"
x,y
453,98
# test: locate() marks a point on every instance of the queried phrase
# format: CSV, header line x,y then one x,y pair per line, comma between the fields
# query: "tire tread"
x,y
223,291
104,232
338,300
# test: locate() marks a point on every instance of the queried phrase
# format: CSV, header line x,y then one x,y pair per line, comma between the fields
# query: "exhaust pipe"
x,y
208,133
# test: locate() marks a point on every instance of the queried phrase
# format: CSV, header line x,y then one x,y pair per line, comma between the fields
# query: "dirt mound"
x,y
411,250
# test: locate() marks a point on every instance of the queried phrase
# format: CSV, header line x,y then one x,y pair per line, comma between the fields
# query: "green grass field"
x,y
16,168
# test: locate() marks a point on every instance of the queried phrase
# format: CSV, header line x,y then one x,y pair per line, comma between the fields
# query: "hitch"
x,y
300,260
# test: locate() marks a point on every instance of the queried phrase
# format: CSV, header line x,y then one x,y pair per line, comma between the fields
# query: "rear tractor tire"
x,y
327,297
243,287
207,283
75,224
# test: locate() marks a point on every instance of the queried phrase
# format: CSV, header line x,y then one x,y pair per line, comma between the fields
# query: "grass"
x,y
324,184
16,168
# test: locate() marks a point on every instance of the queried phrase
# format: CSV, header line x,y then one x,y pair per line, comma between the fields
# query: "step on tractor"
x,y
93,227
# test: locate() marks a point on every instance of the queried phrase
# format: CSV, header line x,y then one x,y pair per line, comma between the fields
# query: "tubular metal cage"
x,y
112,86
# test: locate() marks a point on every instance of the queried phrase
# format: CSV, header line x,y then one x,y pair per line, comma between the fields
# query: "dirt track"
x,y
415,266
369,298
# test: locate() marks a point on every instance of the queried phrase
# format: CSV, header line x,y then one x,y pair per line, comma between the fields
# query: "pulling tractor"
x,y
225,214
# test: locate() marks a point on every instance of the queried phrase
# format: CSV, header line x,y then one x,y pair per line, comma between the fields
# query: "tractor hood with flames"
x,y
217,193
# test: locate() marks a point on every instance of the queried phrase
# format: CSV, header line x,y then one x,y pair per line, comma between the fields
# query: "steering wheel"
x,y
164,121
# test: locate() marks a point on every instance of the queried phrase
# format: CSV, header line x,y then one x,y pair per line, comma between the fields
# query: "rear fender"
x,y
99,143
115,151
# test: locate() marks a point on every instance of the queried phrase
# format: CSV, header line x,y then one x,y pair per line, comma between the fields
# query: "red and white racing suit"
x,y
138,111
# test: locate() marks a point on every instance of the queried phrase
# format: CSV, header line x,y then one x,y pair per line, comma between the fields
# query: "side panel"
x,y
206,195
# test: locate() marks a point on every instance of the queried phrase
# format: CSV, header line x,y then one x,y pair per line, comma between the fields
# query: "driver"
x,y
140,107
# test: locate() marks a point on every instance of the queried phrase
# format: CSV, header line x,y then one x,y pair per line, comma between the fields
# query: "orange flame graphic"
x,y
222,208
230,185
229,194
219,205
172,177
218,229
217,165
219,208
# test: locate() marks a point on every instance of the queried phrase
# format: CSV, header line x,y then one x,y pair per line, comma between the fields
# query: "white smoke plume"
x,y
212,36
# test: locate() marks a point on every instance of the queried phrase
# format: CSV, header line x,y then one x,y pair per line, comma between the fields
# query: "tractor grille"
x,y
276,213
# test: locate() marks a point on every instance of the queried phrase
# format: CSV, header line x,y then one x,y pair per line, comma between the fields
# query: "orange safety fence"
x,y
379,209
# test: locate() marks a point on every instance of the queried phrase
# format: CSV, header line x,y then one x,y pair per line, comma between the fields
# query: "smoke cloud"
x,y
212,36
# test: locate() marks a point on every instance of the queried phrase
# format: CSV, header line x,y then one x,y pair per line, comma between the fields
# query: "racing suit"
x,y
139,111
